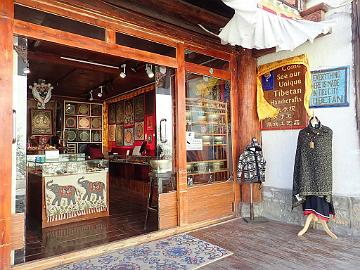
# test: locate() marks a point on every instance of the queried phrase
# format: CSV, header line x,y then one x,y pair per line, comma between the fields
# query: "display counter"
x,y
68,189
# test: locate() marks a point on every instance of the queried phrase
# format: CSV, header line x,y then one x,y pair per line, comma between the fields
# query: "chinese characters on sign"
x,y
329,88
284,89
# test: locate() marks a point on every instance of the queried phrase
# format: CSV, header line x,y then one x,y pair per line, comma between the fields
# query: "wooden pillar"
x,y
6,93
180,137
249,125
235,101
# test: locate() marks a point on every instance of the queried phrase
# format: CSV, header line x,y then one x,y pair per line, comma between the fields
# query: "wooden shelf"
x,y
211,172
204,123
215,160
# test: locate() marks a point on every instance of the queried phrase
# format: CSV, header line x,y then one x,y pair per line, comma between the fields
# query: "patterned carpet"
x,y
173,253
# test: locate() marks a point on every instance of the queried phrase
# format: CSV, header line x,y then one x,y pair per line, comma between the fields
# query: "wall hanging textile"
x,y
119,135
139,109
129,112
313,164
252,164
75,195
262,24
264,108
111,132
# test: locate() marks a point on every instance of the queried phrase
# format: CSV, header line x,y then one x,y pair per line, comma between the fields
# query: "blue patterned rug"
x,y
173,253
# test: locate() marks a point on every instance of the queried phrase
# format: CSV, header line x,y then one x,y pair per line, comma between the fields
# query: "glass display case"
x,y
67,166
208,129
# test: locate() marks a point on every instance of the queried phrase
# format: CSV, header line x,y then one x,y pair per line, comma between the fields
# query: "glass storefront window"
x,y
208,122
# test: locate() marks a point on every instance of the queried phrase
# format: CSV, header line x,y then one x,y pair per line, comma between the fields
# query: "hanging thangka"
x,y
129,112
283,93
112,113
41,122
119,135
120,112
139,108
75,195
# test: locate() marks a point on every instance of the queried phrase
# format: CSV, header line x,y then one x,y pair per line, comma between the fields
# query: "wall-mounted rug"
x,y
177,252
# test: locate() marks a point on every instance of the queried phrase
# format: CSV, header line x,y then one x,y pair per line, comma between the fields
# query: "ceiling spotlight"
x,y
122,73
91,96
26,69
149,72
162,69
100,94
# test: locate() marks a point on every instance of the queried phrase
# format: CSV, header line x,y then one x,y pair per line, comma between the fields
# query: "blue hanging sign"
x,y
329,88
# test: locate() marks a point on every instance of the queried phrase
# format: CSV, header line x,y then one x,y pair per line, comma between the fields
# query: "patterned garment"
x,y
252,164
313,164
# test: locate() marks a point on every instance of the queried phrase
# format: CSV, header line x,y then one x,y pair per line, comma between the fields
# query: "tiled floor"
x,y
127,216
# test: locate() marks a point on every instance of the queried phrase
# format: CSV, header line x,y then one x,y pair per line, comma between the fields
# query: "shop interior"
x,y
67,159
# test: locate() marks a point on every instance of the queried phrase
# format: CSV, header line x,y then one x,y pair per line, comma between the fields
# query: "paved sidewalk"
x,y
276,246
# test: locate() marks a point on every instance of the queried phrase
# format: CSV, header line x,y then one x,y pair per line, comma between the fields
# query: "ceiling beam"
x,y
55,59
175,11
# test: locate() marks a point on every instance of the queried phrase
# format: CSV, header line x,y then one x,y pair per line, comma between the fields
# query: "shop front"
x,y
141,133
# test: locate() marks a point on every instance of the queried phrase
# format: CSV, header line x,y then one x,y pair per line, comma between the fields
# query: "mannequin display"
x,y
252,166
312,181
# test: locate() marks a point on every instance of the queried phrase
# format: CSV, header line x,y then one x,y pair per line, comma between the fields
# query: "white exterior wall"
x,y
279,147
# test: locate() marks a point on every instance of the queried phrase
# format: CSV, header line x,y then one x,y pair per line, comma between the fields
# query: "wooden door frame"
x,y
6,137
113,24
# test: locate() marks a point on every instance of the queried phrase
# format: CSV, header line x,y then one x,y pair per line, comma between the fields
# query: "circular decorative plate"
x,y
84,109
71,135
96,110
70,122
69,108
96,136
96,123
84,122
84,136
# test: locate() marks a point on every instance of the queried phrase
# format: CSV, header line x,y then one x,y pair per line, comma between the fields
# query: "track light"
x,y
149,72
122,73
162,69
100,94
26,69
91,96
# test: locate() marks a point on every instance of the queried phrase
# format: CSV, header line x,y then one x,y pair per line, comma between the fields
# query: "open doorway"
x,y
99,140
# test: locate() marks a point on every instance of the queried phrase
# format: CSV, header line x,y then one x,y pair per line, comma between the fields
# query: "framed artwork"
x,y
70,108
139,111
128,136
119,112
96,110
129,112
83,109
112,113
96,136
70,121
149,122
139,131
83,136
83,122
96,123
119,135
41,122
111,133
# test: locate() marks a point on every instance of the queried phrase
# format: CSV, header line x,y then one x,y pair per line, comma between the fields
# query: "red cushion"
x,y
95,153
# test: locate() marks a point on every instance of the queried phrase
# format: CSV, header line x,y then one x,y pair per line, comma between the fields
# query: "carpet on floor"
x,y
173,253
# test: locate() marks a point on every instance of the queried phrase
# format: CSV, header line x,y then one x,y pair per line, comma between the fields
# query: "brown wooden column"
x,y
6,90
181,137
249,125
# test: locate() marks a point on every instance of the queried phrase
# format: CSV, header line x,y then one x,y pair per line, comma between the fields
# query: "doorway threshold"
x,y
109,247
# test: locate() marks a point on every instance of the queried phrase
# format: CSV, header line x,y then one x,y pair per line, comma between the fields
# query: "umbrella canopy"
x,y
262,24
